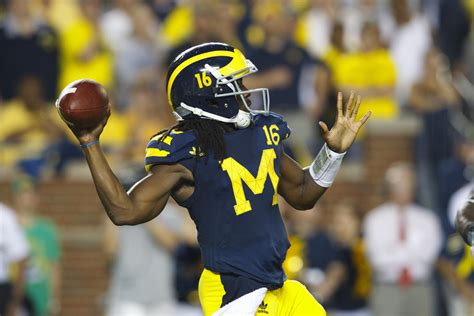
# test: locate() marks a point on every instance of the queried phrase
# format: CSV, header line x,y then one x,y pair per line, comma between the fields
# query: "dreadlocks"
x,y
209,135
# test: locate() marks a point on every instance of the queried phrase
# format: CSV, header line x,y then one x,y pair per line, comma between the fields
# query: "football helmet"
x,y
204,82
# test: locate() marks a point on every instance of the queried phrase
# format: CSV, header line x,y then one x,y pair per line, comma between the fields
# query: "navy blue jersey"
x,y
235,204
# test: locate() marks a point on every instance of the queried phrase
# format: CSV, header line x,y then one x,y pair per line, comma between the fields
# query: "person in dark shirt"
x,y
344,273
29,47
296,79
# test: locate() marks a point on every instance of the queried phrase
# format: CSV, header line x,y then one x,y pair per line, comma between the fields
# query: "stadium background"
x,y
306,50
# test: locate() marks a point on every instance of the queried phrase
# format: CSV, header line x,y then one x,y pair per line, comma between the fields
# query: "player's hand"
x,y
341,136
87,135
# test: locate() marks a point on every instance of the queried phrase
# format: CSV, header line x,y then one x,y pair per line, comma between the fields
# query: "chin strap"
x,y
241,120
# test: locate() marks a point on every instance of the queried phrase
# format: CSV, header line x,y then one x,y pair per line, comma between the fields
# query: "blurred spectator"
x,y
351,296
212,21
228,14
138,53
403,241
432,98
188,272
143,266
162,8
116,24
319,21
84,54
116,135
295,80
454,27
54,12
324,269
43,279
351,15
300,226
145,117
371,72
13,252
27,126
431,8
456,263
355,13
179,23
337,272
29,48
409,38
337,46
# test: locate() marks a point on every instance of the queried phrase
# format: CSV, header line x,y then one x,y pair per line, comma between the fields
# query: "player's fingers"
x,y
339,103
365,118
356,108
324,127
349,104
102,124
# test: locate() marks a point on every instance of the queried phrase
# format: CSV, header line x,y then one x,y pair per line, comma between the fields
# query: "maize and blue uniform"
x,y
241,234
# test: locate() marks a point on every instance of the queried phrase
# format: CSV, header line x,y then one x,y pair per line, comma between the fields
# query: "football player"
x,y
225,163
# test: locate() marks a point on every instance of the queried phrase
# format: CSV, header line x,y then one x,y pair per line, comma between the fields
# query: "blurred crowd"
x,y
408,59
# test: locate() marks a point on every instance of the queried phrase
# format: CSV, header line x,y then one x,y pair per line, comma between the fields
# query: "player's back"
x,y
234,204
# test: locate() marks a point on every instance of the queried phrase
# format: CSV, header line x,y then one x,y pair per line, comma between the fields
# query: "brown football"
x,y
83,103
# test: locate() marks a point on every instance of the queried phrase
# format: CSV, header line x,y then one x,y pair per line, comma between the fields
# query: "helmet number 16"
x,y
203,80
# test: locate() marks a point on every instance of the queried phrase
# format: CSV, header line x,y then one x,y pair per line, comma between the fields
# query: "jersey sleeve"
x,y
272,119
174,148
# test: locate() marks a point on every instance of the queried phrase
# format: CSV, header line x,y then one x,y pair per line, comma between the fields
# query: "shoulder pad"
x,y
271,118
171,149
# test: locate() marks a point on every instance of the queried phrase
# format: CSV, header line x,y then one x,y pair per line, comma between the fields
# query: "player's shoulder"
x,y
170,148
265,118
272,119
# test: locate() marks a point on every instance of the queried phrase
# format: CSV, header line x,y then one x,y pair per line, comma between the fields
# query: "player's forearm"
x,y
297,185
113,196
310,192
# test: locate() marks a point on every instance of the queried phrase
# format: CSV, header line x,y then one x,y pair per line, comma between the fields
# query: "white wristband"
x,y
325,166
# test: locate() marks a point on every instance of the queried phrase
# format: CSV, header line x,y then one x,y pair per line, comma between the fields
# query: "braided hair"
x,y
209,135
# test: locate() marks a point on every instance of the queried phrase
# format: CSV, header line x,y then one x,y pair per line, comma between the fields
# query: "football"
x,y
83,103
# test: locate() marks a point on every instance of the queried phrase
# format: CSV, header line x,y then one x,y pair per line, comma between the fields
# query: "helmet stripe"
x,y
190,61
238,65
